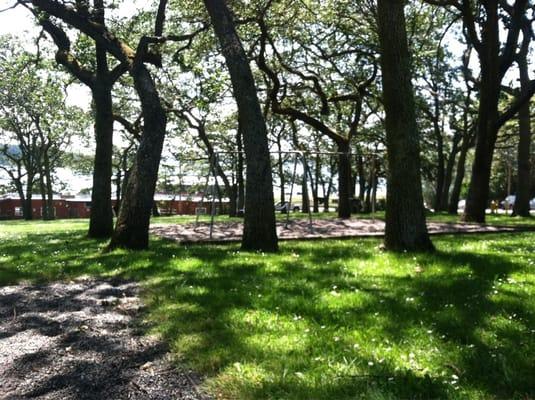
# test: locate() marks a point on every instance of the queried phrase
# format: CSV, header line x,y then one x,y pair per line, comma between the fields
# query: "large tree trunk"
x,y
487,126
101,218
405,216
233,197
132,229
344,181
259,226
521,207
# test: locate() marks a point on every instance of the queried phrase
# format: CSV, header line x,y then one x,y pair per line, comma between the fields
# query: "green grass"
x,y
324,319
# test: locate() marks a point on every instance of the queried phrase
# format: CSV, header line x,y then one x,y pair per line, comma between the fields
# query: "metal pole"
x,y
212,217
305,172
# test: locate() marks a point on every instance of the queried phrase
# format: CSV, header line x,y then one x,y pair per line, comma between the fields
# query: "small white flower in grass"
x,y
322,327
307,330
455,377
356,346
370,363
336,339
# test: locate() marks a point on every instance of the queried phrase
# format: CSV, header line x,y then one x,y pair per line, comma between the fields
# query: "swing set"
x,y
211,192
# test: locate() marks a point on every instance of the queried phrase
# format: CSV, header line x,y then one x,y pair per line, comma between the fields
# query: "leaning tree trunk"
x,y
405,216
487,126
487,132
522,207
132,229
344,181
101,218
259,226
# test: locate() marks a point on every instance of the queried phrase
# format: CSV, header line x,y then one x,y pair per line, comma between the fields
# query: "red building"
x,y
11,207
80,207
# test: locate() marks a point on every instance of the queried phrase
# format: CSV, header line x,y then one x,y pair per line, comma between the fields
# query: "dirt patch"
x,y
80,340
302,229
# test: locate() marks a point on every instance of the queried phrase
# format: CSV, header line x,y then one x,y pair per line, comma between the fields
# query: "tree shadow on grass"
x,y
222,311
241,318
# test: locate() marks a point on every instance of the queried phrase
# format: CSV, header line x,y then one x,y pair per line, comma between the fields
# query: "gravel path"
x,y
301,229
80,340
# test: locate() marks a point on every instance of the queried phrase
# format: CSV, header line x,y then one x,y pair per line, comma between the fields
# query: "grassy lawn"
x,y
324,319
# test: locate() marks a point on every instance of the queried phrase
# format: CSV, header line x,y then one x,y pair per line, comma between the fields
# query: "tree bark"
x,y
521,207
344,181
101,218
259,225
42,189
453,206
449,175
406,229
27,209
487,126
132,229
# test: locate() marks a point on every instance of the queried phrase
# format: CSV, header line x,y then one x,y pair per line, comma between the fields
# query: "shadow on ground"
x,y
80,340
242,318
